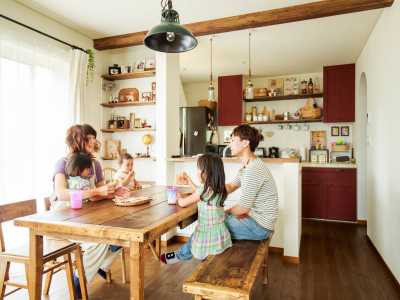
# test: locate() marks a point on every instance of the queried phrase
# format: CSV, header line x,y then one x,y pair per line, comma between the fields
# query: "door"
x,y
312,199
230,100
340,201
339,94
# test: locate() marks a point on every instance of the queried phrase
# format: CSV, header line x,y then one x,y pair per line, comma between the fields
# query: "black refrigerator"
x,y
195,127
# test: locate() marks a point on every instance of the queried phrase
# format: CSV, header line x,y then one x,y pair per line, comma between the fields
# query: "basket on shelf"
x,y
341,147
310,113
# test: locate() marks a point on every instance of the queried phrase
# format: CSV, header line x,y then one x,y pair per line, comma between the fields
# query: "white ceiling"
x,y
287,49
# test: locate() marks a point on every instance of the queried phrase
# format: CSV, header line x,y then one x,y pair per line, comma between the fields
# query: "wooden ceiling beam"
x,y
315,10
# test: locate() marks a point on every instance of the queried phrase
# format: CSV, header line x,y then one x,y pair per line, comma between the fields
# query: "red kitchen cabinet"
x,y
312,205
339,94
340,201
230,100
329,193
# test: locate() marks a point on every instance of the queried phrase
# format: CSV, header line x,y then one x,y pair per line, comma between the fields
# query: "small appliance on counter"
x,y
286,153
273,152
260,152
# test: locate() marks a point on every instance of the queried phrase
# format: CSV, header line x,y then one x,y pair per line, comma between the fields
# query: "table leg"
x,y
35,265
158,246
136,262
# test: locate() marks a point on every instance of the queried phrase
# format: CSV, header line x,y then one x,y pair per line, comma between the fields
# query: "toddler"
x,y
77,169
126,175
211,235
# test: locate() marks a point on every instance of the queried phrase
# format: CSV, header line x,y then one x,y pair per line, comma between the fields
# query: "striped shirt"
x,y
259,193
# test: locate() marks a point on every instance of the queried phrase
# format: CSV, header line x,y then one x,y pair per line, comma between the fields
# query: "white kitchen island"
x,y
287,175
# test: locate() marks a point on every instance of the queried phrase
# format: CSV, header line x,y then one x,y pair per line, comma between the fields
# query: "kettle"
x,y
285,153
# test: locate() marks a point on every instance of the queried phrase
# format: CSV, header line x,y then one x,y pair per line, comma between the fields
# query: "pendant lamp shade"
x,y
170,36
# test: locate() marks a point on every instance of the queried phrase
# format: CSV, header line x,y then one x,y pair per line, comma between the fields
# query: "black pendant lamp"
x,y
170,36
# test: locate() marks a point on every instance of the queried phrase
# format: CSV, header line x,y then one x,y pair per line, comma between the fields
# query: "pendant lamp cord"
x,y
249,56
167,2
211,63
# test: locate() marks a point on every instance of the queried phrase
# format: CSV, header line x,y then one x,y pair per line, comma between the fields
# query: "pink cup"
x,y
76,199
171,194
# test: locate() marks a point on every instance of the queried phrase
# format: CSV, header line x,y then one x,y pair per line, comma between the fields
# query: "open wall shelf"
x,y
133,75
136,129
288,97
284,121
131,103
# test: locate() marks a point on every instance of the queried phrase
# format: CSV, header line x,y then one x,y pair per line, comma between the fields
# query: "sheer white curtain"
x,y
79,62
35,113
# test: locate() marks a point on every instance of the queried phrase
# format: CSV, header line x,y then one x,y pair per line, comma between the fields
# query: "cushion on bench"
x,y
231,274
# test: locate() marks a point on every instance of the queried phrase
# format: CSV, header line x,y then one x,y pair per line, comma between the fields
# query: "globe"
x,y
147,139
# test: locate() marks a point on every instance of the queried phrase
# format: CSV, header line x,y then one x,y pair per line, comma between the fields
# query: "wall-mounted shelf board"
x,y
133,75
288,97
125,104
284,121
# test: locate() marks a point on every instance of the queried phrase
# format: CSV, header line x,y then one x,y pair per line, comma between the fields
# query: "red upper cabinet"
x,y
230,100
339,94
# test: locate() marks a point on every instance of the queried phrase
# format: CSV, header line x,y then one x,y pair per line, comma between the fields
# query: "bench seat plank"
x,y
231,274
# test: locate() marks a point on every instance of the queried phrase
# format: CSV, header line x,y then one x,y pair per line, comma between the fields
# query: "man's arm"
x,y
231,187
237,210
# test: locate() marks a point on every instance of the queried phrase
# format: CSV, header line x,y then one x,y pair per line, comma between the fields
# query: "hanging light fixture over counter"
x,y
170,36
211,90
249,87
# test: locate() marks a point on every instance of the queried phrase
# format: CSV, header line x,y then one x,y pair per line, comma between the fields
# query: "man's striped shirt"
x,y
259,193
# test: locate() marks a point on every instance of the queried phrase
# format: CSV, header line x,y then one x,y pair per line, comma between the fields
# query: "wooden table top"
x,y
104,222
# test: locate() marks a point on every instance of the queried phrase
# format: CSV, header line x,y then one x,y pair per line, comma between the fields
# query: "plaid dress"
x,y
211,235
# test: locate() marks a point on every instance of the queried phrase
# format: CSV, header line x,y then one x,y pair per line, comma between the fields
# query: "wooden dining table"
x,y
104,222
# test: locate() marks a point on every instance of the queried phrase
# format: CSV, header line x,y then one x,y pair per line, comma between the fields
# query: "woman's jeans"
x,y
243,229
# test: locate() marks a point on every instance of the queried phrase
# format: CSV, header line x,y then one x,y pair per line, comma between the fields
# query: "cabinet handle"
x,y
326,184
337,170
331,183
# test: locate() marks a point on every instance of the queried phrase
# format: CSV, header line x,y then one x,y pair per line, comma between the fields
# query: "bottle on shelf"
x,y
112,116
310,87
316,85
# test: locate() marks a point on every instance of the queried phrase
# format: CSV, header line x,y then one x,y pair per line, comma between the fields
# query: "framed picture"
x,y
344,131
276,84
139,66
114,70
335,131
124,69
318,138
146,96
289,85
227,136
112,147
150,64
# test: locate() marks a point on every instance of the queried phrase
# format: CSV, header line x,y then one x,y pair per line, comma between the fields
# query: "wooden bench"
x,y
231,274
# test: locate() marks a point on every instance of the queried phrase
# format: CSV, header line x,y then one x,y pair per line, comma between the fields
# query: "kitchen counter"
x,y
328,165
236,160
287,174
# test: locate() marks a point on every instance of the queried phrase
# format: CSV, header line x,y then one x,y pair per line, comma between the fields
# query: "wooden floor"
x,y
336,263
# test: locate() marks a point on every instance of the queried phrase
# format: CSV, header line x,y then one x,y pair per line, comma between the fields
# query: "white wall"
x,y
380,60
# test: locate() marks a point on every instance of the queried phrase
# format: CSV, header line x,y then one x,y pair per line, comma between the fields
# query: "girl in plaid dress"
x,y
211,235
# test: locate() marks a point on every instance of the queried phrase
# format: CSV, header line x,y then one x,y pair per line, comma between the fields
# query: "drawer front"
x,y
329,174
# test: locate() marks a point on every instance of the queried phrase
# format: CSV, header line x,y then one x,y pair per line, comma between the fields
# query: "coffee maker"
x,y
273,152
